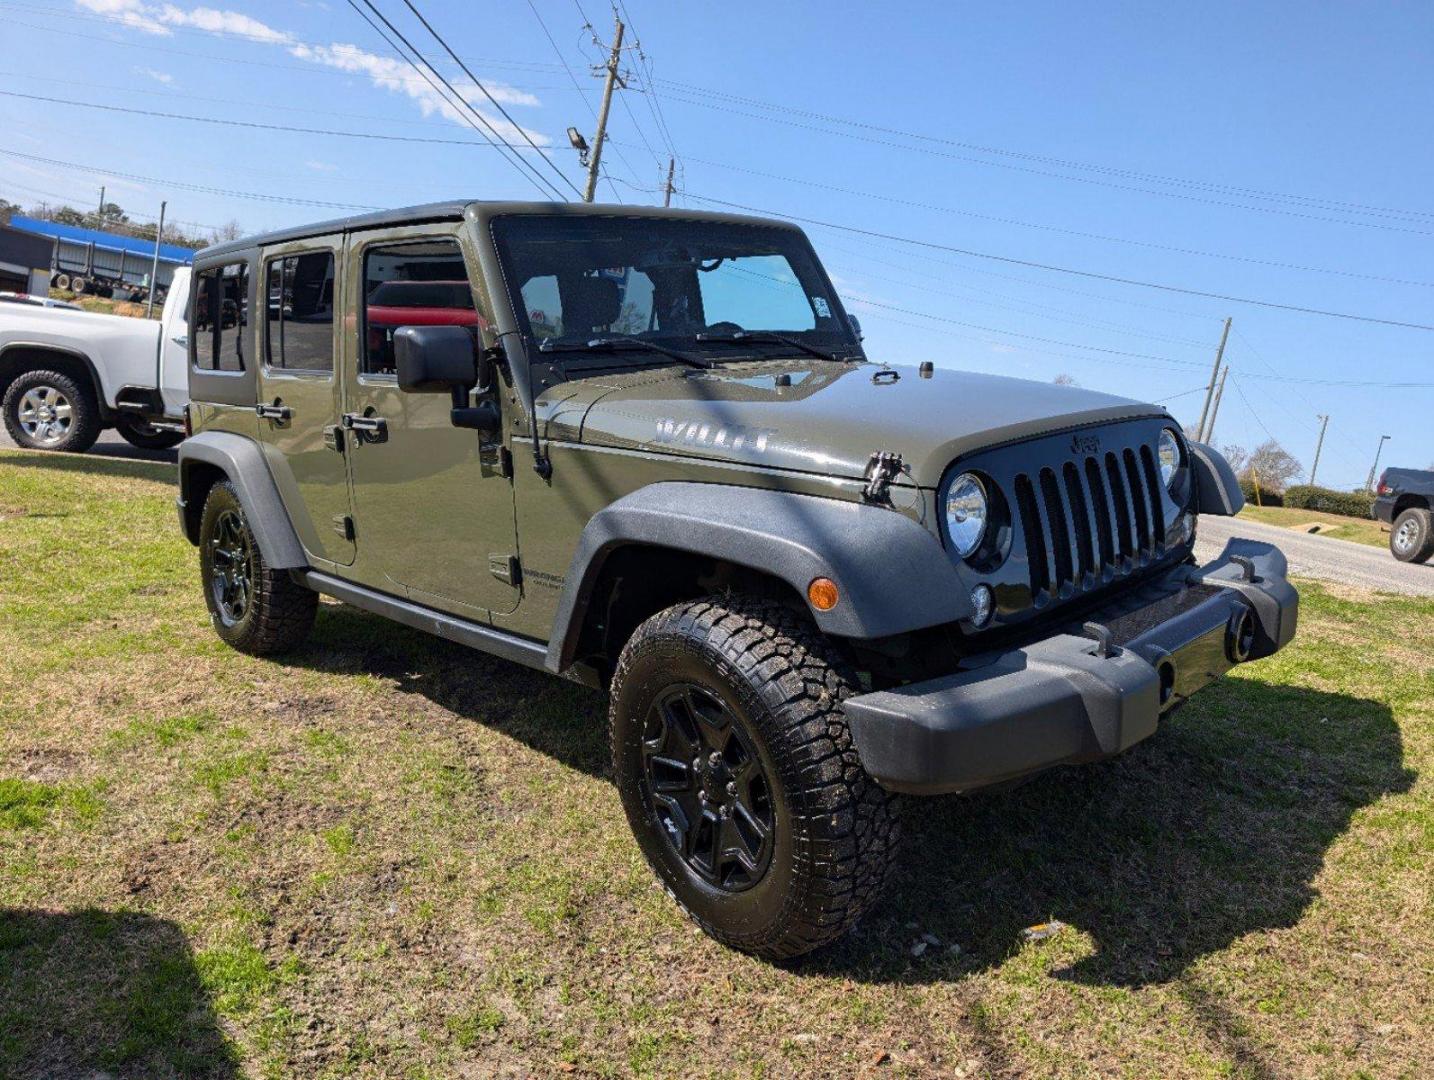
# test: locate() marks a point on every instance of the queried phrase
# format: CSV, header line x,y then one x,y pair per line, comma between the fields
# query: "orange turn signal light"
x,y
823,594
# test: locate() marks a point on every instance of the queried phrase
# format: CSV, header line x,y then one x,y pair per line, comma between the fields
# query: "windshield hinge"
x,y
882,468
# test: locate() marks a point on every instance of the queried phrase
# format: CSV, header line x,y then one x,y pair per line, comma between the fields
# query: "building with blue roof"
x,y
102,256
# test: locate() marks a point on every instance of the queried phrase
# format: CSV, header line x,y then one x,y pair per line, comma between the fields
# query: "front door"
x,y
433,513
299,394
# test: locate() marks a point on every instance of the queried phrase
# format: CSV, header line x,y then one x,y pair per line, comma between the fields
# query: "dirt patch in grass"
x,y
1336,526
389,856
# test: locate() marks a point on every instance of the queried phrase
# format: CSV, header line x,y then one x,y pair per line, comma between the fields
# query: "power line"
x,y
479,83
203,189
162,115
1058,229
706,101
1069,270
513,157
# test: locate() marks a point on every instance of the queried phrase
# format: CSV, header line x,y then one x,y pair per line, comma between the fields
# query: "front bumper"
x,y
1068,698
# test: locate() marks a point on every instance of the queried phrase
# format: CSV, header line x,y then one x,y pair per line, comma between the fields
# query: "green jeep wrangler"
x,y
643,449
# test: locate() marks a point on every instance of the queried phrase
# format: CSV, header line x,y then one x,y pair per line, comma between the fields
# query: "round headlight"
x,y
1168,452
966,513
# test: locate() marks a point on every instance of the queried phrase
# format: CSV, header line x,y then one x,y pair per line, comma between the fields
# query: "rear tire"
x,y
740,779
1411,537
45,410
255,608
146,436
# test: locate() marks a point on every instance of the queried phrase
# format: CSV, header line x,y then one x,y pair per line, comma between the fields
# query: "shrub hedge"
x,y
1349,503
1267,497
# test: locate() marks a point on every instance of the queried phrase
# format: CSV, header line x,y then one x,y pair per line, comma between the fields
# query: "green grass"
x,y
388,856
1359,530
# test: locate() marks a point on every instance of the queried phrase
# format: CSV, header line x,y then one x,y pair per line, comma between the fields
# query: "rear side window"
x,y
299,327
221,314
412,284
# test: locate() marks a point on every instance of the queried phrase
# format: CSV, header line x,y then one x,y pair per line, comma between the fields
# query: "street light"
x,y
579,144
1369,484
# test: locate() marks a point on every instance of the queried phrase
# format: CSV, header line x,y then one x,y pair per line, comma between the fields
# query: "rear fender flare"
x,y
892,573
242,461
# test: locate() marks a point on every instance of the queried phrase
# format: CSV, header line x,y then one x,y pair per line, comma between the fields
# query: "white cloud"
x,y
158,76
224,22
391,73
133,13
386,72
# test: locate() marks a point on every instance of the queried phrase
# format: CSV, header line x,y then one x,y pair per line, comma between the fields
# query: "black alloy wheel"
x,y
706,788
231,562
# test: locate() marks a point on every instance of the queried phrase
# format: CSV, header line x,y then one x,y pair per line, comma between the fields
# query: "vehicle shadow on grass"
x,y
1213,828
561,719
159,468
94,992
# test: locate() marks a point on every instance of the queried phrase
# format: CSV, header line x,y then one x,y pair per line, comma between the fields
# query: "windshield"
x,y
681,282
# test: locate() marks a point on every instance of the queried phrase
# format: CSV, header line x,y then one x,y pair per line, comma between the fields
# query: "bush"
x,y
1267,497
1349,503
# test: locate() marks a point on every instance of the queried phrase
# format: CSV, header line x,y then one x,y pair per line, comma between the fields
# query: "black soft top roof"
x,y
457,210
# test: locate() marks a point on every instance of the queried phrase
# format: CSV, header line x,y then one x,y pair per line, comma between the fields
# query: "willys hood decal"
x,y
819,417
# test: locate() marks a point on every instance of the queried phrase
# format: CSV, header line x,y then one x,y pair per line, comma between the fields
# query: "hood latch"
x,y
883,467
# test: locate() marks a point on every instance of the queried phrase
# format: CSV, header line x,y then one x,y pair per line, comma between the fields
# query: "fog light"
x,y
822,593
982,604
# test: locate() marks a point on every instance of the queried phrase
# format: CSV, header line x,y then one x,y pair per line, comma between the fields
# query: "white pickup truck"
x,y
67,375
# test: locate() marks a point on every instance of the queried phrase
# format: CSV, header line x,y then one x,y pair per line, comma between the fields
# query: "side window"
x,y
221,313
412,284
298,330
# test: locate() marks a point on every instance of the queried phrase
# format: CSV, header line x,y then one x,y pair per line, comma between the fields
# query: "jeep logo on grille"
x,y
1085,444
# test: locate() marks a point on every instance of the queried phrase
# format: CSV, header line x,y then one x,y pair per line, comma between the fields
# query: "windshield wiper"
x,y
610,344
780,339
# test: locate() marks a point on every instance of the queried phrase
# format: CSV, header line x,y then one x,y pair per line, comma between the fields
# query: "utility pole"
x,y
613,80
1210,390
667,190
1369,484
1215,408
154,266
1324,423
100,213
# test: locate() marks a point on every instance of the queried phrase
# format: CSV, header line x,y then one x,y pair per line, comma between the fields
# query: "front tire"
x,y
1411,537
740,779
146,436
45,410
255,608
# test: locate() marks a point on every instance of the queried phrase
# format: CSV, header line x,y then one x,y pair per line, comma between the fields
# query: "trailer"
x,y
104,263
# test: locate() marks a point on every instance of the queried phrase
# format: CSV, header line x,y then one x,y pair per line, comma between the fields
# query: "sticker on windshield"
x,y
822,307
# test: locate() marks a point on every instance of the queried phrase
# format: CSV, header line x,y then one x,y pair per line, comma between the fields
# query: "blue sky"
x,y
1242,149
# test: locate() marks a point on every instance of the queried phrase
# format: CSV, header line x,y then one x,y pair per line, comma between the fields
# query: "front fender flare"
x,y
242,461
893,574
1217,490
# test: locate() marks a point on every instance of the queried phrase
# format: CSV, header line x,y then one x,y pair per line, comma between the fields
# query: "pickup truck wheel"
x,y
146,436
740,779
45,410
254,608
1411,539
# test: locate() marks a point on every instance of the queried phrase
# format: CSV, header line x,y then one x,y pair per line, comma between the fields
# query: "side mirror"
x,y
435,359
855,325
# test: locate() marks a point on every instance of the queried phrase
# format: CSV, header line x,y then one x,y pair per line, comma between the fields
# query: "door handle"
x,y
373,429
281,413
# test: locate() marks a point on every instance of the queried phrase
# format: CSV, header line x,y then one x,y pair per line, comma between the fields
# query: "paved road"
x,y
1310,556
109,445
1321,556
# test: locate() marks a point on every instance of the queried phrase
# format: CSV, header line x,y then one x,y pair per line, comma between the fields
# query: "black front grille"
x,y
1090,519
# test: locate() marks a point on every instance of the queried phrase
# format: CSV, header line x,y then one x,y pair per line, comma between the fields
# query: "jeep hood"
x,y
819,417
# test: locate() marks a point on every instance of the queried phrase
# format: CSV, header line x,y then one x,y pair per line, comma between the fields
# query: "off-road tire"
x,y
278,612
136,432
1411,537
84,411
836,831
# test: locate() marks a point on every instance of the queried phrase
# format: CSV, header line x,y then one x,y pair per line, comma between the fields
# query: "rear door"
x,y
433,508
300,395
